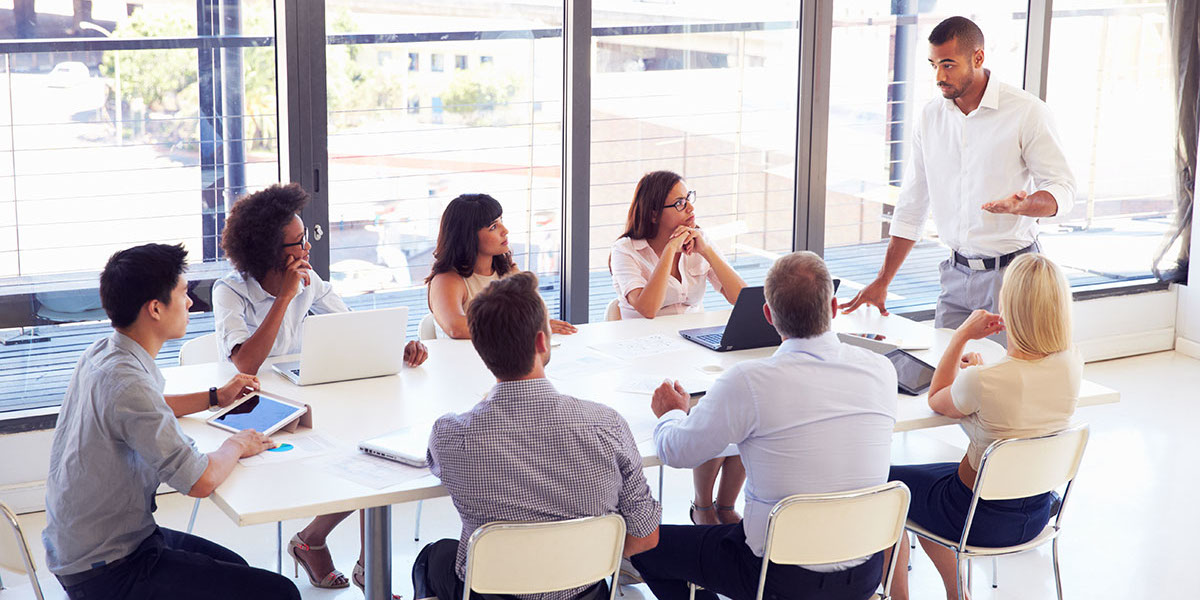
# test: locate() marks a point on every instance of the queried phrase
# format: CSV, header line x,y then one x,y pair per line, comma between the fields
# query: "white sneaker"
x,y
629,574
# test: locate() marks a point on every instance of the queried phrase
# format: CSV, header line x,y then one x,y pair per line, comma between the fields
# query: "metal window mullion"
x,y
303,115
576,181
812,125
1037,46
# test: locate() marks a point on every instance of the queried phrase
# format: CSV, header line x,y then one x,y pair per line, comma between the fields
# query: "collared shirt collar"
x,y
818,346
990,99
255,290
131,346
522,390
639,244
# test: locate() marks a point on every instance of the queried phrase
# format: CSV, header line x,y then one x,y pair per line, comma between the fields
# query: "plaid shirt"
x,y
527,453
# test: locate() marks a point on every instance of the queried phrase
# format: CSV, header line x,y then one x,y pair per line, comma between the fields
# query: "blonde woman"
x,y
1031,391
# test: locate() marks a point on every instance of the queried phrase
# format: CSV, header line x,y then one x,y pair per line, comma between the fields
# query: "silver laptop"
x,y
407,445
349,345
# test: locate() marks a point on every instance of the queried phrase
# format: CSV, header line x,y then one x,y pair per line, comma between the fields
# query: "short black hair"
x,y
137,275
968,34
504,320
253,231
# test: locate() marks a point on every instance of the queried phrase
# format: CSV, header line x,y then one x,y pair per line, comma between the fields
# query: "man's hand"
x,y
668,397
415,353
1012,205
239,386
251,442
874,294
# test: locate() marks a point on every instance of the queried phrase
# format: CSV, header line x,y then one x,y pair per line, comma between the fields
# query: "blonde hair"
x,y
1035,302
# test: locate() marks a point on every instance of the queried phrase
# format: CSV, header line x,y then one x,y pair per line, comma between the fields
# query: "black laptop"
x,y
747,327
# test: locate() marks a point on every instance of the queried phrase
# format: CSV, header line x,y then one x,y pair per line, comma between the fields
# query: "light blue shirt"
x,y
115,441
240,305
815,417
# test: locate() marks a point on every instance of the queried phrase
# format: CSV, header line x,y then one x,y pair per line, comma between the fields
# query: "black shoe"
x,y
1055,504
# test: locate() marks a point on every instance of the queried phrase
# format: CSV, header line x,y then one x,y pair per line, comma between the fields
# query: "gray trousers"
x,y
964,291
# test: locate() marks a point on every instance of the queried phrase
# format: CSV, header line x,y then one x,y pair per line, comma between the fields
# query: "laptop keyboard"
x,y
711,338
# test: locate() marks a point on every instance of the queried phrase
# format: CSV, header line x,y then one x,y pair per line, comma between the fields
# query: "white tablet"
x,y
260,412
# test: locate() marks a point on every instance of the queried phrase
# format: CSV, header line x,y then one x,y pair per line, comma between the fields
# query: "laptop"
x,y
407,445
747,327
349,345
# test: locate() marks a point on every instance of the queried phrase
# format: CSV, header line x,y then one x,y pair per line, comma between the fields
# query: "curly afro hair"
x,y
254,228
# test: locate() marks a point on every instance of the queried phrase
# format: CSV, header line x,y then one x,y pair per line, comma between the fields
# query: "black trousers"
x,y
176,565
434,574
717,558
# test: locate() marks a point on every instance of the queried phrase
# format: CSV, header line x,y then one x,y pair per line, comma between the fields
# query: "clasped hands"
x,y
687,240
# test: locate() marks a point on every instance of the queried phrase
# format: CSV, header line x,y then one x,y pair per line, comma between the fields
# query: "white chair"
x,y
1018,468
533,558
8,558
202,349
427,330
613,311
812,529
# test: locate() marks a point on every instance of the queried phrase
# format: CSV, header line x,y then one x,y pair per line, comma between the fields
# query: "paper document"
x,y
373,472
643,346
646,384
292,447
582,366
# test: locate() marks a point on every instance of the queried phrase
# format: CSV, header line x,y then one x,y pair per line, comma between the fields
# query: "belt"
x,y
989,264
74,579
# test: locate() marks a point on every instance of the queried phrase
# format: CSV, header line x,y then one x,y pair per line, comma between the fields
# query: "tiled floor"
x,y
1129,527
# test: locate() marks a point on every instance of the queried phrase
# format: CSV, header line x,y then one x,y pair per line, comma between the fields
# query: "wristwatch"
x,y
212,399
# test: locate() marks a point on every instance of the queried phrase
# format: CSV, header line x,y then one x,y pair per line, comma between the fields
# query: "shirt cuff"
x,y
669,416
1065,200
646,520
184,479
904,230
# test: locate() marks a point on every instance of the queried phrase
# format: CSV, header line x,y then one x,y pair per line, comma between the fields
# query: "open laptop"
x,y
349,345
747,326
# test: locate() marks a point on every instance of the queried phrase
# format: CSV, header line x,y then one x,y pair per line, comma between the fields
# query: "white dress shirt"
x,y
240,305
960,162
815,417
633,262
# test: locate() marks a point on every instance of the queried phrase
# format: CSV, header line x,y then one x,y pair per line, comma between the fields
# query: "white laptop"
x,y
407,445
349,345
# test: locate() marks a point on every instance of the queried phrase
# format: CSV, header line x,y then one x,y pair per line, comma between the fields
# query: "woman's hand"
x,y
562,327
970,359
679,239
698,243
240,385
980,324
415,353
295,272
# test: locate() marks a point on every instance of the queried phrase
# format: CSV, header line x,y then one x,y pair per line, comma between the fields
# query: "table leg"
x,y
378,560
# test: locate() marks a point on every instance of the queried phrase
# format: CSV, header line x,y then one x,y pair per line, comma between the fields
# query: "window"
x,y
104,149
485,60
460,61
437,63
414,61
666,97
873,104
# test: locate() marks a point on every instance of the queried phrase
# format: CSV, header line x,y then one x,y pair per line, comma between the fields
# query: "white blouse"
x,y
633,261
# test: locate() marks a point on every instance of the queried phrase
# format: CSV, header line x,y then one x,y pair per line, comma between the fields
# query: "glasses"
x,y
301,243
682,203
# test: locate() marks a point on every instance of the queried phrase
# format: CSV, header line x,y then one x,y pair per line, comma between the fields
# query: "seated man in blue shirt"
x,y
526,452
118,437
815,417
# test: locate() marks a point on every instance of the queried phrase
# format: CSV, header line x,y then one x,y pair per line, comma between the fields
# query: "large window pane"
x,y
1111,87
710,94
880,80
119,126
424,107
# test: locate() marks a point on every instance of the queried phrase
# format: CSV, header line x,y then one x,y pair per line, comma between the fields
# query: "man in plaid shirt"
x,y
526,452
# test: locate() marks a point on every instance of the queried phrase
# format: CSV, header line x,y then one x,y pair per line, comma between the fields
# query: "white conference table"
x,y
454,378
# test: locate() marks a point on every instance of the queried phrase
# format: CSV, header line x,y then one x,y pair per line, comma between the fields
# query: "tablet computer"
x,y
260,412
913,375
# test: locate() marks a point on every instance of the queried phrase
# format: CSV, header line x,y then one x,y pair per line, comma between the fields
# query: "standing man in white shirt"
x,y
987,161
815,417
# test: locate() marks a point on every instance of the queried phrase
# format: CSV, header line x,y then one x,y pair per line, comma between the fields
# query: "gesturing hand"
x,y
1011,205
874,294
668,397
981,324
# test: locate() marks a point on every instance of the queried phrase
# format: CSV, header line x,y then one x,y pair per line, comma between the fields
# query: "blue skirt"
x,y
940,502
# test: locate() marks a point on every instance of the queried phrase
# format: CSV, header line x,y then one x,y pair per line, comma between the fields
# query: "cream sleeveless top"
x,y
475,284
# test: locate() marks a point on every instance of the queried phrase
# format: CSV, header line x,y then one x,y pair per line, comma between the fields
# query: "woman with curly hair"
x,y
259,309
472,251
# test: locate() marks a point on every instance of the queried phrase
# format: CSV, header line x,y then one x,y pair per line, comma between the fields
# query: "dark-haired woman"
x,y
258,311
472,251
660,266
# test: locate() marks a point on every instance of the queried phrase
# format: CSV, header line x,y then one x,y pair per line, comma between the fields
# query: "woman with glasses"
x,y
472,251
258,311
660,266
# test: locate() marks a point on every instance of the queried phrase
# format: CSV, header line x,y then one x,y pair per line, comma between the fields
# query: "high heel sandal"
x,y
694,508
730,508
334,580
359,577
